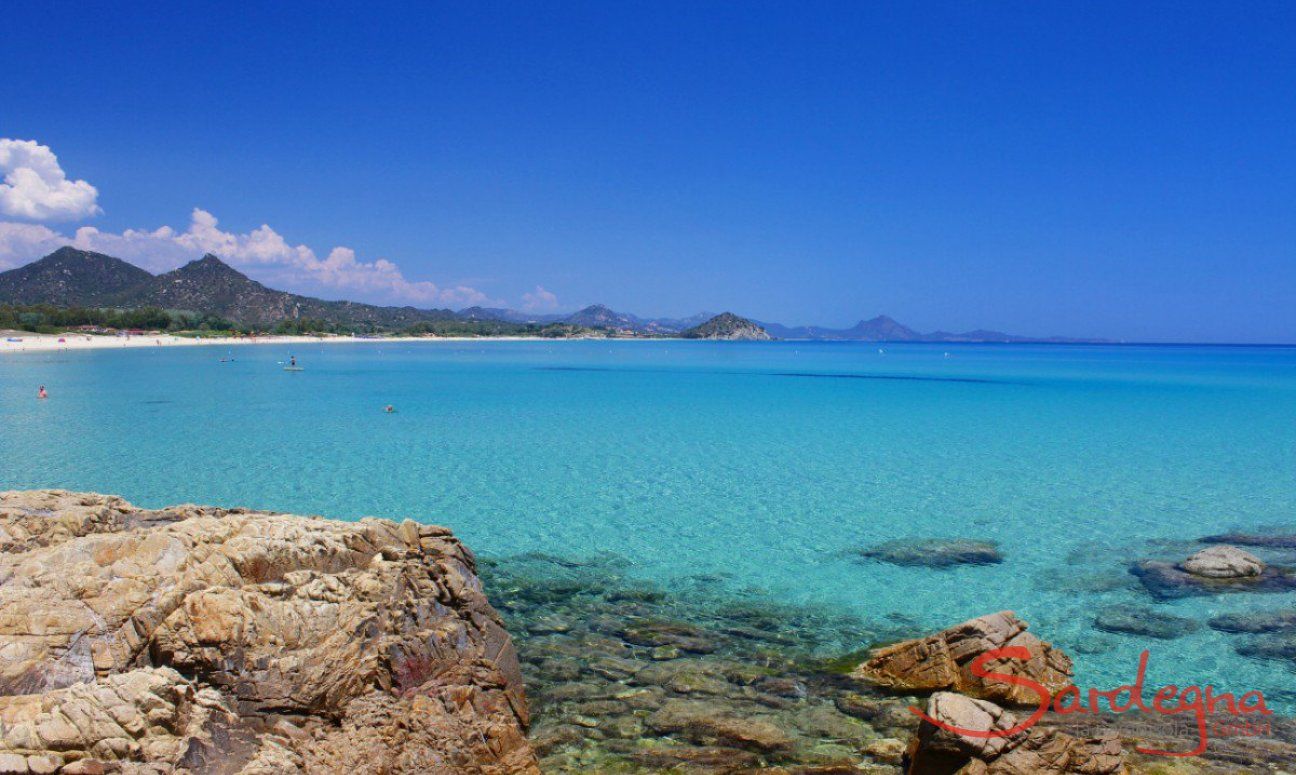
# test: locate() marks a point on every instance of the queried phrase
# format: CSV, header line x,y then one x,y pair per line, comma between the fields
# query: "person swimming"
x,y
389,409
41,393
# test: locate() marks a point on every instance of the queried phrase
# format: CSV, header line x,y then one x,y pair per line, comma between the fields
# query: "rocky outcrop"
x,y
729,326
1223,562
996,747
935,552
942,662
195,639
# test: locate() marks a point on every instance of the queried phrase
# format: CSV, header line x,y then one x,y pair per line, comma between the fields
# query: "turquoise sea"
x,y
760,466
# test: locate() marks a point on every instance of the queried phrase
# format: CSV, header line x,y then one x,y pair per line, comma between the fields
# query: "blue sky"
x,y
1104,169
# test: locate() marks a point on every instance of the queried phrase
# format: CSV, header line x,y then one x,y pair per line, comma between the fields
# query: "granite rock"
x,y
197,639
942,662
997,747
1223,562
1167,581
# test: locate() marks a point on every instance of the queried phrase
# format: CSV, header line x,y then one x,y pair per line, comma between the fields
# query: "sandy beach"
x,y
22,341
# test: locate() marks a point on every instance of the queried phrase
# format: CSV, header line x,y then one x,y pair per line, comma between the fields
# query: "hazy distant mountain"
x,y
70,278
886,329
727,325
879,329
679,324
979,335
505,315
882,329
599,316
593,316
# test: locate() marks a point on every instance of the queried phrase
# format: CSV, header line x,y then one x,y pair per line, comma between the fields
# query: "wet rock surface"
x,y
977,736
935,552
206,640
1167,581
1223,562
943,661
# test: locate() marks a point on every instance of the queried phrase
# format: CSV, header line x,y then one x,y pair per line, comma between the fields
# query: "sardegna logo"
x,y
1170,700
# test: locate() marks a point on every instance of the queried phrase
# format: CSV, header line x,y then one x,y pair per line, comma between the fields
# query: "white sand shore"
x,y
21,341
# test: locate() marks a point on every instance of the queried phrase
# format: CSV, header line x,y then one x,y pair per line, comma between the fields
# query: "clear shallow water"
x,y
764,463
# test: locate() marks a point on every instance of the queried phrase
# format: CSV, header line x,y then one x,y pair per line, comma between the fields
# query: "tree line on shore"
x,y
51,319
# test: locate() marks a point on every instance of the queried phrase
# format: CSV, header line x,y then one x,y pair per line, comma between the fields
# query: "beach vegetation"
x,y
51,319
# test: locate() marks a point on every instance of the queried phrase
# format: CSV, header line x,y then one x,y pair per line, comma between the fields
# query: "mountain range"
x,y
77,278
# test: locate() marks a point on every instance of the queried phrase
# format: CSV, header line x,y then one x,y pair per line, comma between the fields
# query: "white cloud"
x,y
539,300
263,252
36,188
21,242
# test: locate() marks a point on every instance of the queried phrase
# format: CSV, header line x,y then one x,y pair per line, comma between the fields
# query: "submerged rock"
x,y
1280,647
943,661
688,758
685,637
995,748
1255,622
1135,620
204,639
1223,562
1166,581
935,552
1263,540
706,723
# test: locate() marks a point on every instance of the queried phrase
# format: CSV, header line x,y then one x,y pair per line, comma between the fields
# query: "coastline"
x,y
44,343
522,664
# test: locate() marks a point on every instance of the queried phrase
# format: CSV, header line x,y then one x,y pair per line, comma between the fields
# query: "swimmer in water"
x,y
389,409
41,393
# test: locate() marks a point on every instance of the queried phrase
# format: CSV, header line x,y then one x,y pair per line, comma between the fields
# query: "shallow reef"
x,y
628,676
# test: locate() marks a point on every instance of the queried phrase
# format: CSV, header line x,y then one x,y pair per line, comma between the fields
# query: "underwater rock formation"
x,y
935,552
1137,620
